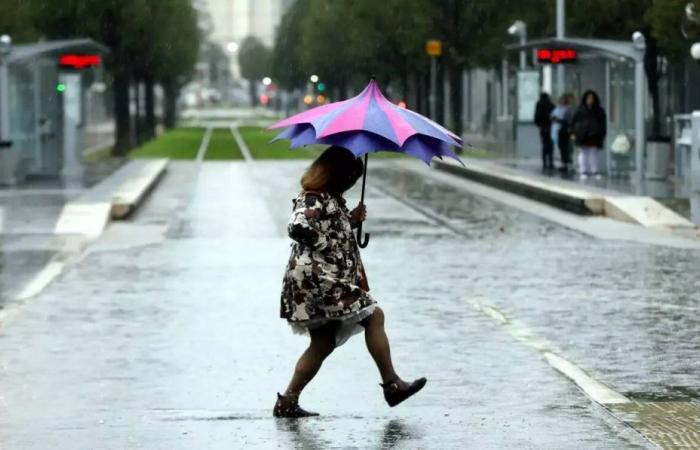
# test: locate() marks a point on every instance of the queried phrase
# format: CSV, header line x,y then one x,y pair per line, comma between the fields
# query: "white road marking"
x,y
204,145
241,144
2,219
42,279
594,389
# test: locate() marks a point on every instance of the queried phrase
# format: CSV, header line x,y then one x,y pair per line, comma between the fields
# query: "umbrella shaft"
x,y
364,179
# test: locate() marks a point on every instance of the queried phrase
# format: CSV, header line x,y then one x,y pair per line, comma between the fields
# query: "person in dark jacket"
x,y
543,111
589,127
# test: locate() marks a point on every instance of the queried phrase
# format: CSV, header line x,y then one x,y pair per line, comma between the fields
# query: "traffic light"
x,y
321,86
60,87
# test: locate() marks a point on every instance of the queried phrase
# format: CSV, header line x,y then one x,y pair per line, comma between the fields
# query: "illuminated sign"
x,y
556,55
79,61
433,47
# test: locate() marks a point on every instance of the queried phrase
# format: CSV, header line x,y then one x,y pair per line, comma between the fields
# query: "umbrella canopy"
x,y
369,123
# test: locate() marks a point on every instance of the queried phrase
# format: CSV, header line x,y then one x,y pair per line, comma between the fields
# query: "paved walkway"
x,y
165,335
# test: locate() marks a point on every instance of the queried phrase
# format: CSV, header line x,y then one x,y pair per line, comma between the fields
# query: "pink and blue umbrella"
x,y
370,123
366,124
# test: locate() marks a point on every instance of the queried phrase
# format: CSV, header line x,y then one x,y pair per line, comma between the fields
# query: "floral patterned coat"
x,y
325,277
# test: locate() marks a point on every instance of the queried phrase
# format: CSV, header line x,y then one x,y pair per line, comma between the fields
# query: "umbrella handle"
x,y
362,243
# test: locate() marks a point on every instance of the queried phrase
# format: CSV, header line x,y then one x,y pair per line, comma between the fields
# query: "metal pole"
x,y
608,102
504,78
363,243
561,32
694,169
639,138
4,102
433,88
523,55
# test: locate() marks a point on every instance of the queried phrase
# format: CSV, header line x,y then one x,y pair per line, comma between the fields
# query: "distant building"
x,y
228,22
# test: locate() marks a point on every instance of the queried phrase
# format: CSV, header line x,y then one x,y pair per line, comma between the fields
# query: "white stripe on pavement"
x,y
594,389
204,145
241,144
42,279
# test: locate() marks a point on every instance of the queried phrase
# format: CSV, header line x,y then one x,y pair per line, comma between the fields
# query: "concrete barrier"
x,y
142,176
116,197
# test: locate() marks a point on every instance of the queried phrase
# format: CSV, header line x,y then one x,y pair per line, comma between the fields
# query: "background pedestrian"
x,y
543,111
589,127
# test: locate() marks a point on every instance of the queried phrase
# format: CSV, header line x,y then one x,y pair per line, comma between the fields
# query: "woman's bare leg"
x,y
322,344
378,345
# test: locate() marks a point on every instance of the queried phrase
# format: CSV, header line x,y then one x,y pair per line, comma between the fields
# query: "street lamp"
x,y
313,78
519,29
638,40
640,44
5,45
695,51
232,47
267,81
691,14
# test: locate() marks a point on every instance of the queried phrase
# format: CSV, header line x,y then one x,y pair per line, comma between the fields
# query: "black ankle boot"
x,y
286,407
397,391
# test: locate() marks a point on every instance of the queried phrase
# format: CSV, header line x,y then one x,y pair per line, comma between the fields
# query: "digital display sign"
x,y
556,55
74,61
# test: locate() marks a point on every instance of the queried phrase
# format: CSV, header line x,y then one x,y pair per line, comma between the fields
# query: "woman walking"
x,y
325,286
589,127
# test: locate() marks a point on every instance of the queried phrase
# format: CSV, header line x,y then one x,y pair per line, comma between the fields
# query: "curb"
x,y
577,202
131,194
640,210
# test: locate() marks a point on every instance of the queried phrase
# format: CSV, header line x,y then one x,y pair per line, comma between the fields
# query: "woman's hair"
x,y
596,99
566,99
335,171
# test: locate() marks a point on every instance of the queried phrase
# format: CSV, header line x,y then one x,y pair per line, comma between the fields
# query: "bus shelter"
x,y
52,94
614,69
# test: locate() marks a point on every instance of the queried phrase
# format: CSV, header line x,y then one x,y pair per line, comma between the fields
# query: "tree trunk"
x,y
455,80
122,138
420,93
170,107
404,85
440,113
138,125
150,122
651,67
251,91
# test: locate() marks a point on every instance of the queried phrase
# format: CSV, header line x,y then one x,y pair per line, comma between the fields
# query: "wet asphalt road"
x,y
165,334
